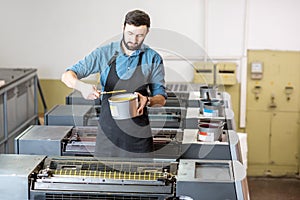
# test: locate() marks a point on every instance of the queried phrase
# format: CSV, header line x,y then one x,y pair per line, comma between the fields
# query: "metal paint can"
x,y
213,109
205,101
209,132
207,92
124,106
210,110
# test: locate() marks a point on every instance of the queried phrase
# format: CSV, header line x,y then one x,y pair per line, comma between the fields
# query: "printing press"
x,y
168,143
172,137
40,177
72,115
227,147
211,179
181,109
88,115
217,108
81,112
178,94
81,140
197,154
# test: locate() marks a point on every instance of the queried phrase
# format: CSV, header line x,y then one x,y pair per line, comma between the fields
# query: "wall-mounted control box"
x,y
256,70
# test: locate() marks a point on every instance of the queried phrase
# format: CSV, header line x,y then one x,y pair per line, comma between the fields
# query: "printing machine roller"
x,y
106,178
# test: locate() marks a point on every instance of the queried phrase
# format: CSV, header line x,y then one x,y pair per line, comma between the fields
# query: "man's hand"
x,y
88,91
142,103
155,101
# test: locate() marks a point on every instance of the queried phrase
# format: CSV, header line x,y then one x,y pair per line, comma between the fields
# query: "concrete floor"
x,y
262,188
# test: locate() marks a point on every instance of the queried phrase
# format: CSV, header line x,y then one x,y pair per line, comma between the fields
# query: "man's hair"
x,y
137,18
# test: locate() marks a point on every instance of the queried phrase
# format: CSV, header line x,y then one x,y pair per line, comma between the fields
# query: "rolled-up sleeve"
x,y
89,65
157,78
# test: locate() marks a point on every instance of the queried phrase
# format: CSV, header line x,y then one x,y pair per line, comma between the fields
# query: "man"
x,y
127,64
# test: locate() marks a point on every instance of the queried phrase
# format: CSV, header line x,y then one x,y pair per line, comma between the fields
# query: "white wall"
x,y
274,24
53,34
225,28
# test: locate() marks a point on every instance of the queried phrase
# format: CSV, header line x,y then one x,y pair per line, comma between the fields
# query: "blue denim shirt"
x,y
97,61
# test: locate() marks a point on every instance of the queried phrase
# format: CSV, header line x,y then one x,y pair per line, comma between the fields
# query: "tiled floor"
x,y
274,188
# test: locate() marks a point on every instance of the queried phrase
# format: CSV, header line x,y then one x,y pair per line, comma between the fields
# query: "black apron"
x,y
127,137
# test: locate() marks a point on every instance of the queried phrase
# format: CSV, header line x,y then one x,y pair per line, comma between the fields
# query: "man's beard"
x,y
131,48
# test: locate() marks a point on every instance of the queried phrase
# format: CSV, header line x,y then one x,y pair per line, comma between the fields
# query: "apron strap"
x,y
113,58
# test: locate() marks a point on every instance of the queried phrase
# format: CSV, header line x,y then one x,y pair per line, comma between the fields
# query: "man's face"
x,y
133,36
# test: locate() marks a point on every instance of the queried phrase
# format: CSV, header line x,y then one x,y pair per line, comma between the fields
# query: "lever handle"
x,y
273,104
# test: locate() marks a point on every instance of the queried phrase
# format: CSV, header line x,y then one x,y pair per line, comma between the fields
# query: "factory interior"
x,y
229,128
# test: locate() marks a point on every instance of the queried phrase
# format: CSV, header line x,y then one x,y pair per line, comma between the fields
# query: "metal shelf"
x,y
18,104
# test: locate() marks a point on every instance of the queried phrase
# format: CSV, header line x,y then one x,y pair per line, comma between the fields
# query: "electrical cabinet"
x,y
203,72
273,113
226,73
221,73
273,143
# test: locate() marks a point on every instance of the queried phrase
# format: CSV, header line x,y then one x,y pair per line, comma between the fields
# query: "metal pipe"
x,y
35,100
42,95
243,90
5,122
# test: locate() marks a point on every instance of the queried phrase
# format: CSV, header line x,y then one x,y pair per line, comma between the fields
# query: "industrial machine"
x,y
226,148
73,128
211,179
75,98
181,109
194,112
81,140
193,116
185,166
72,115
177,96
168,143
39,177
169,116
88,115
